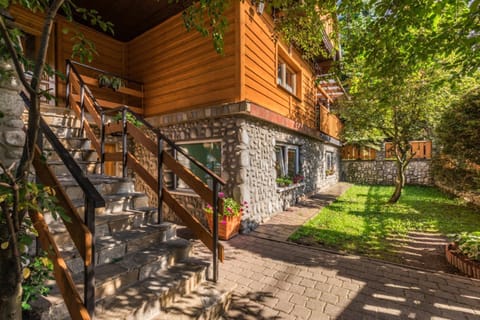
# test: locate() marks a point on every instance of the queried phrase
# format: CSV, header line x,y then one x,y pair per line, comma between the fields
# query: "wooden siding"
x,y
111,54
261,53
181,69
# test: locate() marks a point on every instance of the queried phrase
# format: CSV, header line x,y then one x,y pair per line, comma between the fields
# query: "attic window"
x,y
286,77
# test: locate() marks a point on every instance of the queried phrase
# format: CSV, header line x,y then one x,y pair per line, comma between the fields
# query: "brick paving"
x,y
276,279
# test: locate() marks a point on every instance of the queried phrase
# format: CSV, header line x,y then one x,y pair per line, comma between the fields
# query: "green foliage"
x,y
360,221
468,243
130,118
111,82
37,270
231,207
284,181
459,129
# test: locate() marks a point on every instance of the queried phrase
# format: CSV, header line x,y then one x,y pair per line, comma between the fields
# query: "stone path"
x,y
276,279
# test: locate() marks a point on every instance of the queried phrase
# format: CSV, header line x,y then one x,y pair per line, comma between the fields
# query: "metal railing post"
x,y
102,144
67,83
174,176
215,231
124,143
89,277
82,107
160,180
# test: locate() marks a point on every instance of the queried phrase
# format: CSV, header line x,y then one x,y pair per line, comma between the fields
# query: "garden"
x,y
413,231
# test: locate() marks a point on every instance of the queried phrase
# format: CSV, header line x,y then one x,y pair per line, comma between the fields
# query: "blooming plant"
x,y
298,178
231,208
469,244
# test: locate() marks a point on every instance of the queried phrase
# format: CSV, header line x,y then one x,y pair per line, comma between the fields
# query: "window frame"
x,y
282,68
175,179
284,147
330,163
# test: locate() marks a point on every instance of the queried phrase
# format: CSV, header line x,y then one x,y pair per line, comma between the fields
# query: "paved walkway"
x,y
276,279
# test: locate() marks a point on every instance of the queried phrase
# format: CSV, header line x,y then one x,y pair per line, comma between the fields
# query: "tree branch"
x,y
14,56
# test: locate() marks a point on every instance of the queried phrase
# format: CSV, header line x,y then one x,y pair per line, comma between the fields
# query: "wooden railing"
x,y
329,123
352,152
421,150
82,231
82,100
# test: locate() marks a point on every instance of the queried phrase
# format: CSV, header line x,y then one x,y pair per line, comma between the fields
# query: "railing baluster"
x,y
102,144
67,83
215,230
82,107
160,180
174,176
89,276
124,143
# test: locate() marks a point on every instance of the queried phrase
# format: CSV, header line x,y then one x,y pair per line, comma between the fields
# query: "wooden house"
x,y
253,115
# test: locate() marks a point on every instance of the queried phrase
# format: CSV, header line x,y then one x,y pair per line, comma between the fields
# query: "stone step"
x,y
110,248
151,296
59,168
106,225
103,183
70,143
77,154
65,132
161,261
116,203
209,301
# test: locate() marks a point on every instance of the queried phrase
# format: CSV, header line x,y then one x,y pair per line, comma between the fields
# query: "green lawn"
x,y
361,221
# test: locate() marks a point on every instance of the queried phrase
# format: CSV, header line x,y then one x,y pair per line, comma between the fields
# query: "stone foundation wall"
x,y
248,164
12,136
383,172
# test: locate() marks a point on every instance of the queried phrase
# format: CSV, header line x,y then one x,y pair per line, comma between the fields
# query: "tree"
x,y
301,23
398,62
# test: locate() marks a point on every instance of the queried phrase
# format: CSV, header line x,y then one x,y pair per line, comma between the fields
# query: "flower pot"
x,y
458,260
228,226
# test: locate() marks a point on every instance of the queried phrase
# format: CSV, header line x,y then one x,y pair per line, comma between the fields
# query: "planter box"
x,y
455,258
227,226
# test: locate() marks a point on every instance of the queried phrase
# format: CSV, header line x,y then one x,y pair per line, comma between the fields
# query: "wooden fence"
x,y
422,150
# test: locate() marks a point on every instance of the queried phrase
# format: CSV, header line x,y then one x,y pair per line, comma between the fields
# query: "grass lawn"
x,y
361,221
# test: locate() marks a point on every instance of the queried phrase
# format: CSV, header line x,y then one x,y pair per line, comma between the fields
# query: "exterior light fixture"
x,y
260,6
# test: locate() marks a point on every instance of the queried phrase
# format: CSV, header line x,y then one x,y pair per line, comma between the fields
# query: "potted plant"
x,y
114,83
284,181
464,253
229,221
298,178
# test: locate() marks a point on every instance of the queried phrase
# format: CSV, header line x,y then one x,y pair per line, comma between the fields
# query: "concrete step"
x,y
149,297
77,154
59,168
116,203
209,301
103,183
110,248
106,225
70,143
162,262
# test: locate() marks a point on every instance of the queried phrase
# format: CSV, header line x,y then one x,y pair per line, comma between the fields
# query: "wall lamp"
x,y
260,6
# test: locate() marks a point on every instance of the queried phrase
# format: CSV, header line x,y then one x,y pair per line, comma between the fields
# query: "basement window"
x,y
209,153
287,162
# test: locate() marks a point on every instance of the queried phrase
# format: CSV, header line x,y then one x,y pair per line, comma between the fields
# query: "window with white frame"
x,y
209,153
287,160
330,163
286,77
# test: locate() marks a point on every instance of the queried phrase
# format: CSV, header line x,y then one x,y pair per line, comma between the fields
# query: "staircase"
x,y
135,266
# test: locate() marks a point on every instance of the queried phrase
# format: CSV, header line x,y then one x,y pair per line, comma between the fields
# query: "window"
x,y
286,77
330,163
287,160
208,153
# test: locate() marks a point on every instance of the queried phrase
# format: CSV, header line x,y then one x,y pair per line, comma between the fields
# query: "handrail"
x,y
103,71
93,200
96,105
168,141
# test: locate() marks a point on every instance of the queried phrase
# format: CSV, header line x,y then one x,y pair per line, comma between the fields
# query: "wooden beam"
x,y
142,138
88,130
62,275
79,232
192,222
189,178
128,91
135,165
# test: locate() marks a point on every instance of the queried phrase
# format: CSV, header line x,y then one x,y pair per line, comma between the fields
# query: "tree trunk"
x,y
10,283
399,182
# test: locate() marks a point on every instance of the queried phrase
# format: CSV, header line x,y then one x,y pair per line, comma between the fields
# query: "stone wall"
x,y
383,172
12,136
248,164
